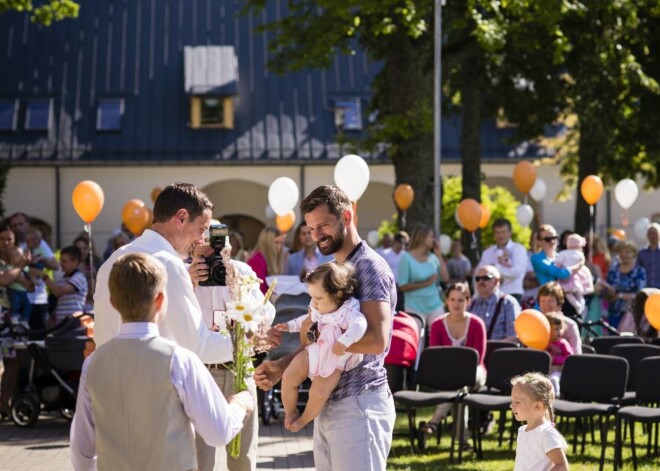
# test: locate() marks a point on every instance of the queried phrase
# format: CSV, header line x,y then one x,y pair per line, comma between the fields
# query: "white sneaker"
x,y
14,320
25,324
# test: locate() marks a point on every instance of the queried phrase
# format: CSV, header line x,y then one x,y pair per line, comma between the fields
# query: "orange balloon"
x,y
524,176
154,193
485,216
652,310
533,329
135,215
591,189
88,200
469,214
619,234
404,196
284,223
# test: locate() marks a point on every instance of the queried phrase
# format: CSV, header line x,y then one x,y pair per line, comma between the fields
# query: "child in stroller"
x,y
50,368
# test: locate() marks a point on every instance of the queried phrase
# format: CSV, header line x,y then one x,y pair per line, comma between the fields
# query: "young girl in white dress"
x,y
540,446
340,324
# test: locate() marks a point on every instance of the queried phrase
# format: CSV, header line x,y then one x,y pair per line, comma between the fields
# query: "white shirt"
x,y
183,321
213,298
532,447
215,420
511,280
39,295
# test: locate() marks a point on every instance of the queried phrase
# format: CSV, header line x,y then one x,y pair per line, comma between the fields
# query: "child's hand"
x,y
282,327
339,348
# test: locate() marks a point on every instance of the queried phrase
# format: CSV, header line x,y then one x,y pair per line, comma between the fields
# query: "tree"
x,y
47,11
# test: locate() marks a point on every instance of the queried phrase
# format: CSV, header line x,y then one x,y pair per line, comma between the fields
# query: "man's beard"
x,y
337,241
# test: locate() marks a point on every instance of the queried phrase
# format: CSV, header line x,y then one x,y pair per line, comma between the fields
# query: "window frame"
x,y
35,101
354,104
14,122
196,103
122,110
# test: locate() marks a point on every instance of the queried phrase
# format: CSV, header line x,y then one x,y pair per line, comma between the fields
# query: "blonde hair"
x,y
625,245
135,280
538,388
420,233
266,246
600,246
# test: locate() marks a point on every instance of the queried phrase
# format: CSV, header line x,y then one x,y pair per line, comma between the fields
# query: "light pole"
x,y
437,114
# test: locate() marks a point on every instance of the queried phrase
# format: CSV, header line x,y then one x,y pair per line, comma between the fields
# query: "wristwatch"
x,y
311,333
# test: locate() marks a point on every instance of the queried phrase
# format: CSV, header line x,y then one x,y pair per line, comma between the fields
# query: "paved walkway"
x,y
46,446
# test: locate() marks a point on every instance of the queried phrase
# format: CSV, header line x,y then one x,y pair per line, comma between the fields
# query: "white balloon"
x,y
283,195
352,175
445,244
270,214
372,238
626,192
538,190
524,214
457,219
641,227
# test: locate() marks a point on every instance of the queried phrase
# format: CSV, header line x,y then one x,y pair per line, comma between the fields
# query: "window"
x,y
348,114
211,112
109,114
38,116
8,114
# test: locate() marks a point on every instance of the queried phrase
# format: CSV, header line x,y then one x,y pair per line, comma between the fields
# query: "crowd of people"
x,y
150,305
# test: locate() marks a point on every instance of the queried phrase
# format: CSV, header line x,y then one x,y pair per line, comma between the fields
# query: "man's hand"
x,y
282,327
245,400
264,341
339,348
269,373
198,270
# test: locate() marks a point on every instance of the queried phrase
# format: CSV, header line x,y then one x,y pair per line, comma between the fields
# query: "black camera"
x,y
218,240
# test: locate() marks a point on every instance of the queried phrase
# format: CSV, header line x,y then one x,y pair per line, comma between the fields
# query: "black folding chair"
x,y
588,349
492,345
603,345
446,373
647,394
505,363
634,354
590,384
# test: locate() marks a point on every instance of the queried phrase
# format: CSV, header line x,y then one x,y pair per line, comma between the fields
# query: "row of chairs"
x,y
592,385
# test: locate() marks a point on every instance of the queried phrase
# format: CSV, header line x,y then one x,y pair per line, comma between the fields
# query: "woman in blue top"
x,y
543,261
419,271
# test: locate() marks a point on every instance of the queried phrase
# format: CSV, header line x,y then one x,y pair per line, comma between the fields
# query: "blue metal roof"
x,y
134,50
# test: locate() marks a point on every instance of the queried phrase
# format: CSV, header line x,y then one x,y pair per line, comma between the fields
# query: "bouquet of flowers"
x,y
243,317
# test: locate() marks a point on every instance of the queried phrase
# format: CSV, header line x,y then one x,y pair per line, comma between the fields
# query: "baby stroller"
x,y
292,302
50,369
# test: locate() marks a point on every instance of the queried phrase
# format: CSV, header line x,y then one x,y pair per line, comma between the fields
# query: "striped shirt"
x,y
68,304
375,283
485,310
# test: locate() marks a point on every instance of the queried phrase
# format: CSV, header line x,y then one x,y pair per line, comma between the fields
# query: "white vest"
x,y
140,422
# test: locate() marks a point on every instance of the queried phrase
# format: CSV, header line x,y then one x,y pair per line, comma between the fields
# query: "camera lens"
x,y
218,274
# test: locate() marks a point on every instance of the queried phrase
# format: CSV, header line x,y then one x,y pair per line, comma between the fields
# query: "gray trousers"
x,y
210,458
355,433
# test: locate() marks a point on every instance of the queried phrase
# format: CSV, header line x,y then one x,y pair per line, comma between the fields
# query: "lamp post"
x,y
437,114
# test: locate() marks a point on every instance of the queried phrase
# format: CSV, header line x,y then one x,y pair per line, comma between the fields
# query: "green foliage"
x,y
46,12
499,200
388,226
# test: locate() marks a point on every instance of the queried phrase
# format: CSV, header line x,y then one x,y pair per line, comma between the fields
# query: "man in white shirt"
x,y
392,255
125,417
181,215
510,259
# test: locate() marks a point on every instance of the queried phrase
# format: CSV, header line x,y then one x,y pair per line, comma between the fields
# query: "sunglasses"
x,y
550,238
483,278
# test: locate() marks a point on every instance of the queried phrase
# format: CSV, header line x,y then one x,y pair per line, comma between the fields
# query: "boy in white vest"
x,y
140,395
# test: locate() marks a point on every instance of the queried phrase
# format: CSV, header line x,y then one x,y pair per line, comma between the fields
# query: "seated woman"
x,y
458,328
551,298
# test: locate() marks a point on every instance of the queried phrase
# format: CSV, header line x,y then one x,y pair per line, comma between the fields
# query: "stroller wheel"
x,y
25,410
67,412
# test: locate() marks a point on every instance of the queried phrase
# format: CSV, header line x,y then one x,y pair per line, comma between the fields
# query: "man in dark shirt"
x,y
649,258
354,431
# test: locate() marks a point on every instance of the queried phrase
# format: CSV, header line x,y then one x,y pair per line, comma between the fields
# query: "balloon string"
x,y
591,233
473,244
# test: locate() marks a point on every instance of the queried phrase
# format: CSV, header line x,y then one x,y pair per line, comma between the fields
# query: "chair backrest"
x,y
634,354
599,378
655,341
492,345
448,368
588,349
648,380
603,345
505,363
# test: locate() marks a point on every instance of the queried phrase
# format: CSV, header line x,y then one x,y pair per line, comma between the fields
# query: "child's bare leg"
x,y
293,376
318,395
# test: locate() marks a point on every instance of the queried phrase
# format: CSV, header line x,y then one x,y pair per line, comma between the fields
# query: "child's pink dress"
x,y
349,319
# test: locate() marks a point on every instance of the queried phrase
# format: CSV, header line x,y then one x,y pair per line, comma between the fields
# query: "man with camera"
x,y
209,274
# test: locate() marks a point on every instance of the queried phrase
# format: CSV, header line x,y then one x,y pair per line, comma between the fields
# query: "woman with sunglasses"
x,y
419,271
543,261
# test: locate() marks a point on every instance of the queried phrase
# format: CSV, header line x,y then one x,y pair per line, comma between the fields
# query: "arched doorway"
x,y
245,225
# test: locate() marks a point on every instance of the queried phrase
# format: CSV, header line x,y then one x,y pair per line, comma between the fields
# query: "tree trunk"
x,y
471,141
587,165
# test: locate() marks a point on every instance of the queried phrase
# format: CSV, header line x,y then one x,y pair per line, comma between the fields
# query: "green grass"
x,y
501,459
